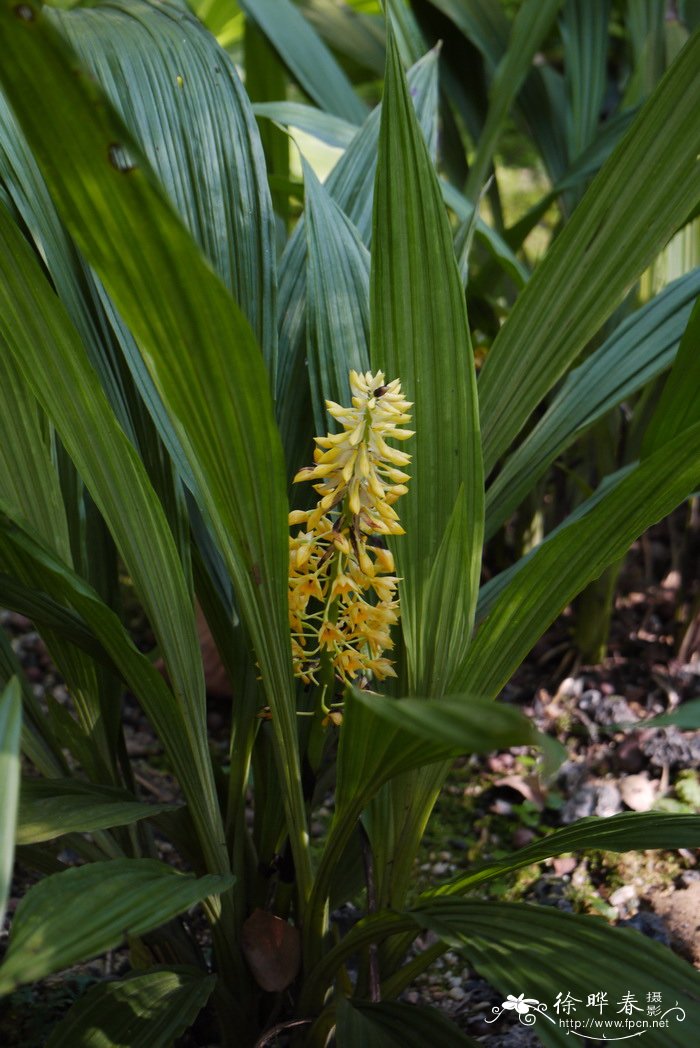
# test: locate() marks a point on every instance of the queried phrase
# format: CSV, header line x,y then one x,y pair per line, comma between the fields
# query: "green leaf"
x,y
539,951
179,95
139,1011
36,330
420,334
351,186
686,717
584,30
599,533
49,808
332,130
382,737
215,387
77,914
638,350
337,309
361,1024
10,730
629,831
624,219
530,25
678,407
306,56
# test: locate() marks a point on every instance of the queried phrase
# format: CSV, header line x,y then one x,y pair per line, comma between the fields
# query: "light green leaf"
x,y
10,731
49,808
140,1011
332,130
624,219
361,1024
629,831
638,350
306,56
86,910
678,407
540,952
215,386
420,334
337,309
599,533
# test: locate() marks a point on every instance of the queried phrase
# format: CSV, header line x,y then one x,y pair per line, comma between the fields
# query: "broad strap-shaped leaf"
x,y
382,737
389,1024
143,1010
584,30
36,330
351,186
540,952
77,914
332,130
599,533
197,344
337,308
306,56
530,25
679,405
49,808
21,553
37,742
629,831
420,334
638,350
622,222
10,733
180,97
685,717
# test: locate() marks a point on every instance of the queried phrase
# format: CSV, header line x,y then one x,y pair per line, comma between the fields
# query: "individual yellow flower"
x,y
338,565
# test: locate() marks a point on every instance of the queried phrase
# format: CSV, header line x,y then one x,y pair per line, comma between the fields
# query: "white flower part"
x,y
520,1004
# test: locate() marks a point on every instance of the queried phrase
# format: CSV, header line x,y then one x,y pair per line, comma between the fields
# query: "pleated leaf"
x,y
599,533
679,405
382,737
420,334
629,831
180,97
51,807
351,186
638,350
539,951
530,25
306,56
337,308
10,732
140,1011
84,911
643,193
584,30
197,344
389,1024
36,330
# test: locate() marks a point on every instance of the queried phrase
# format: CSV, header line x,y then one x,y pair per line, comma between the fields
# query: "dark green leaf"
x,y
10,731
140,1011
74,915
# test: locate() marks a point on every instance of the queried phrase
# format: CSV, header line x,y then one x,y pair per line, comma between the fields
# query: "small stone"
x,y
457,993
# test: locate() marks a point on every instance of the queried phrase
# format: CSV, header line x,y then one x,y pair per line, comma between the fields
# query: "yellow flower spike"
x,y
342,587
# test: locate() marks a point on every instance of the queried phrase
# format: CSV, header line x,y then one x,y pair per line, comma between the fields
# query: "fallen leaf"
x,y
272,949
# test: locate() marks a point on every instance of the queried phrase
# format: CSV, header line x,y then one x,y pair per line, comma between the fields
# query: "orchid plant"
x,y
172,329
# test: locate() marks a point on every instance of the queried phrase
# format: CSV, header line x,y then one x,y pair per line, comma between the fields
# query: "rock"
x,y
594,798
638,791
624,899
680,911
649,924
